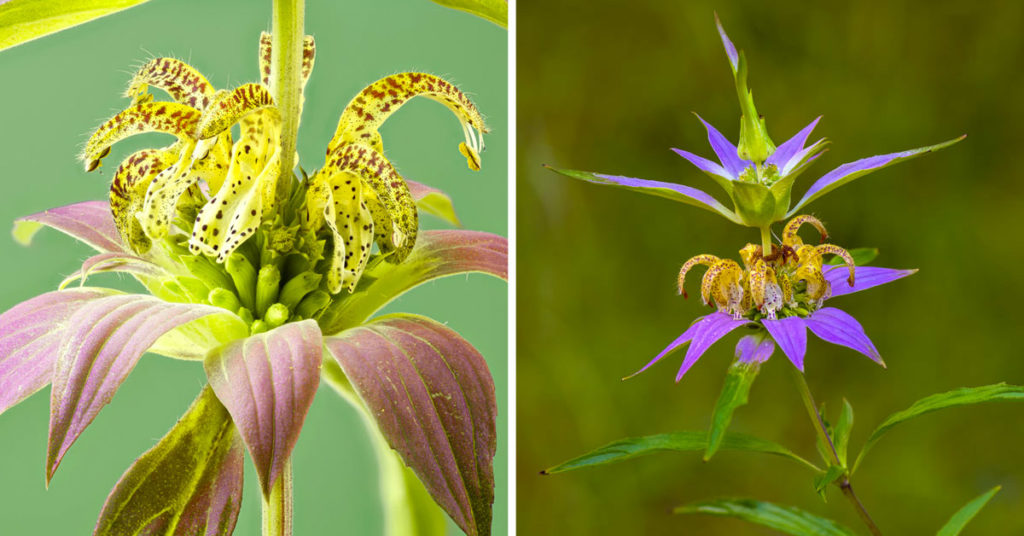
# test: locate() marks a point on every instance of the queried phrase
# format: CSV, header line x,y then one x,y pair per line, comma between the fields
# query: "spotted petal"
x,y
340,201
180,80
791,335
128,193
837,327
363,116
234,212
167,117
853,170
865,277
395,218
668,190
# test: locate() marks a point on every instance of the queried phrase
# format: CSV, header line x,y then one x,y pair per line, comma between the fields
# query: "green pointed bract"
x,y
755,144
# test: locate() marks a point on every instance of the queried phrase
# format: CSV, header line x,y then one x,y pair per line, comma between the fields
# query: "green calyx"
x,y
755,144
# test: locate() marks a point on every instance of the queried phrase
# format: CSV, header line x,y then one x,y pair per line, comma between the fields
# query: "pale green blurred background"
x,y
54,91
609,87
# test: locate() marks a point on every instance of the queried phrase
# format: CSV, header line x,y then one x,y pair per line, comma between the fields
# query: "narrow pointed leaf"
x,y
102,343
31,337
785,519
432,397
267,382
957,397
437,254
495,11
841,433
854,170
434,202
964,515
668,190
88,221
189,484
734,393
25,20
629,448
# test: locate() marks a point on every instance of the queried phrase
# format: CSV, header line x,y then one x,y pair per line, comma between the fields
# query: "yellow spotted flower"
x,y
219,191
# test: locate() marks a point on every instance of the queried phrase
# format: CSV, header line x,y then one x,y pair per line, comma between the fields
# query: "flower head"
x,y
245,266
781,295
757,175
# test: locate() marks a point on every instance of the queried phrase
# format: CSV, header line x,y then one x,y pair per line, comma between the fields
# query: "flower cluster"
x,y
259,274
780,295
780,288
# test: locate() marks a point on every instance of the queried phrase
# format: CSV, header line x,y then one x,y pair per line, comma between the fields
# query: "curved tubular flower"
x,y
757,176
249,283
783,294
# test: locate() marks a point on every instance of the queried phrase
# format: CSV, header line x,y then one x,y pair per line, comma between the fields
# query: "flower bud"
x,y
268,284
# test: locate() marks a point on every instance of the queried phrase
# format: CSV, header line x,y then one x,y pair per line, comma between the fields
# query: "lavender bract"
x,y
757,176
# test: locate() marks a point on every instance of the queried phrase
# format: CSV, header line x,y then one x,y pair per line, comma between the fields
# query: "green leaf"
x,y
786,519
841,433
625,449
954,398
822,481
675,192
738,380
430,200
861,257
495,11
24,20
966,514
191,479
782,193
755,204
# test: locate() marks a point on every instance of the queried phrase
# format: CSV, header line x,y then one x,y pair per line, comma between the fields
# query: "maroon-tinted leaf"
x,y
433,399
437,254
115,262
433,201
102,342
30,339
189,484
88,221
267,382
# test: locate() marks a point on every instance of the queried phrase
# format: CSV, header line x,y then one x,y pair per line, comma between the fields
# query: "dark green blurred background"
x,y
54,91
609,87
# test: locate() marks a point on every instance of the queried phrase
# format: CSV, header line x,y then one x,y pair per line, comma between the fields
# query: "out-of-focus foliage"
x,y
610,89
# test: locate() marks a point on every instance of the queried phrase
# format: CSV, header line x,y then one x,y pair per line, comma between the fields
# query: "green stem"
x,y
819,426
766,240
286,87
277,510
286,81
408,508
